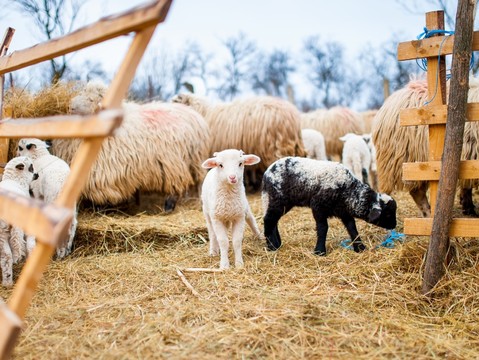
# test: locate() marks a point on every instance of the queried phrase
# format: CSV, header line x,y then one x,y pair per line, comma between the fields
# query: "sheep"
x,y
333,123
266,126
225,204
314,145
158,148
411,145
356,155
52,172
368,119
330,190
17,177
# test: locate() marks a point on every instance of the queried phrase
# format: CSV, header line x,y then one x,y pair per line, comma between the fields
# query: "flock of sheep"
x,y
261,143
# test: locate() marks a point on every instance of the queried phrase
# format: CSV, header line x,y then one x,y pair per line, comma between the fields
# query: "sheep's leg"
x,y
271,233
30,244
17,244
6,263
350,225
250,220
420,198
466,202
321,232
222,236
214,246
237,233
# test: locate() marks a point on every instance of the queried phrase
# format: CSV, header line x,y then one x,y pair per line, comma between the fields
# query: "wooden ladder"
x,y
50,222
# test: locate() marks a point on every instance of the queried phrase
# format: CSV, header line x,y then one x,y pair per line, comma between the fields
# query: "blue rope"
x,y
391,239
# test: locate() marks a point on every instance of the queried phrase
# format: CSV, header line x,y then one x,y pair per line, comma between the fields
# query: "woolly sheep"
x,y
411,145
17,177
368,119
158,148
329,189
333,123
225,204
314,145
356,155
52,175
266,126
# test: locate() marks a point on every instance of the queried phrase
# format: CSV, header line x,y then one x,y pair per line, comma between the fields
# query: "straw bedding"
x,y
119,294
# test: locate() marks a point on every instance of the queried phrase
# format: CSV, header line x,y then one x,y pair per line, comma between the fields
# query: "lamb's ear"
x,y
210,163
20,166
251,159
374,215
48,143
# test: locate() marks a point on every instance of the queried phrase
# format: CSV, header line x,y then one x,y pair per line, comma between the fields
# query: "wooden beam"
x,y
460,227
431,170
105,29
10,325
63,126
45,221
430,47
433,115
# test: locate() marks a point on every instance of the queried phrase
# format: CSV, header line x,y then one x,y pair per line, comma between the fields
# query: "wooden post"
x,y
456,117
4,143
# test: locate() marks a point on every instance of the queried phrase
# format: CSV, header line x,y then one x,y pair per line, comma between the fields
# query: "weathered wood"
x,y
456,118
105,29
11,326
418,49
433,115
35,217
63,126
431,170
459,227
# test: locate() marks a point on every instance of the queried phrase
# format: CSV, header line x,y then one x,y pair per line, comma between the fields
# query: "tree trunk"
x,y
456,117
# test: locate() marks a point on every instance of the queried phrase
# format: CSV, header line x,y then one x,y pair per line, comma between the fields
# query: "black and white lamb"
x,y
330,190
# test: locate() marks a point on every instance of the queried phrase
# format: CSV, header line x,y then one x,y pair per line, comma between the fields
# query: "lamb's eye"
x,y
20,148
221,166
240,164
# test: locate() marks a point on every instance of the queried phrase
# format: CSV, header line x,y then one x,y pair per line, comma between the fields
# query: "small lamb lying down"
x,y
17,178
329,189
225,204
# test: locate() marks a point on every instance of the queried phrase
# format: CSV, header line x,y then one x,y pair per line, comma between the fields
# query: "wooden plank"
x,y
433,115
430,170
10,326
105,29
460,227
35,217
417,49
63,126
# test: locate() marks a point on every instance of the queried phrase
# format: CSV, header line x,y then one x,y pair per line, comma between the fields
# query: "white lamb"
x,y
225,204
17,177
314,144
356,155
52,172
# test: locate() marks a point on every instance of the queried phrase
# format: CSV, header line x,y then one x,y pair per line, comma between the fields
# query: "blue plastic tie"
x,y
391,239
346,243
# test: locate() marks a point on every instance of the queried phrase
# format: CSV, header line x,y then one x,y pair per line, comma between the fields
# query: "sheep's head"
x,y
32,147
20,167
182,99
383,212
230,165
88,101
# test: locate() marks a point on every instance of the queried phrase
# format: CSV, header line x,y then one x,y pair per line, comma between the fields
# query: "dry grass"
x,y
119,295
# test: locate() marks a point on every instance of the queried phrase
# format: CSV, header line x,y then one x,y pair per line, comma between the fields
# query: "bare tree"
x,y
241,51
53,18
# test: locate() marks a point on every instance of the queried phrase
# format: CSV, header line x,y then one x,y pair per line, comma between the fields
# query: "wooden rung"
x,y
105,29
47,222
433,115
10,326
431,170
460,227
418,49
63,126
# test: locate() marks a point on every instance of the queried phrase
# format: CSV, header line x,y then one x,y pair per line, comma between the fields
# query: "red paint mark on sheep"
x,y
157,117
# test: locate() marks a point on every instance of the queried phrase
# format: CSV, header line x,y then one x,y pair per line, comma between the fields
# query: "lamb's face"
x,y
230,165
21,167
29,147
384,217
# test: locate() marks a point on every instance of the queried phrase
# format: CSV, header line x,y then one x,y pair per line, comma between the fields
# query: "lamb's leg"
x,y
420,198
222,236
250,220
350,225
271,233
17,244
466,202
321,232
214,246
365,176
30,244
237,232
6,263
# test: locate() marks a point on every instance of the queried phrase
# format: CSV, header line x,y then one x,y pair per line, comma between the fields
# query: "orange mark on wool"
x,y
157,117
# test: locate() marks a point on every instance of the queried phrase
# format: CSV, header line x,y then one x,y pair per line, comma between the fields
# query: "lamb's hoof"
x,y
224,266
319,253
272,247
239,265
359,247
469,212
214,252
